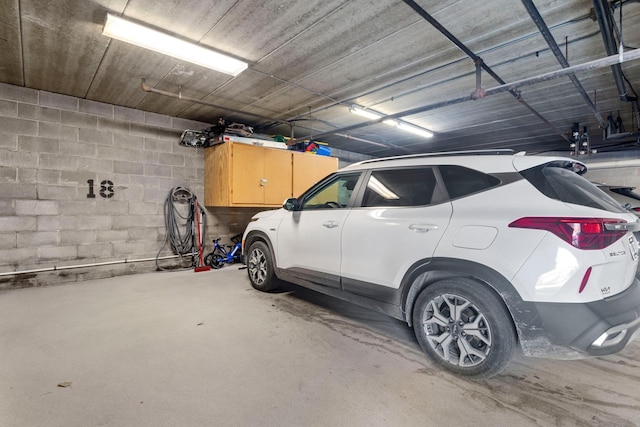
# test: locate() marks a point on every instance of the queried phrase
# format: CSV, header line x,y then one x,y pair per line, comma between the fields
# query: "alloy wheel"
x,y
457,330
257,266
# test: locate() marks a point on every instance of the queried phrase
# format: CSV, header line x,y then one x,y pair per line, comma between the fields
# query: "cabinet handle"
x,y
263,181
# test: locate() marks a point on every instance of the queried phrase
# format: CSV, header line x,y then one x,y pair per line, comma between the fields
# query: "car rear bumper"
x,y
596,328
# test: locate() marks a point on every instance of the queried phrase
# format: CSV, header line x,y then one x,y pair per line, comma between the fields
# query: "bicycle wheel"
x,y
215,259
208,259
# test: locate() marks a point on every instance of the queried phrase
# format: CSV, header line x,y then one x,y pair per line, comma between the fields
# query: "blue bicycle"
x,y
224,254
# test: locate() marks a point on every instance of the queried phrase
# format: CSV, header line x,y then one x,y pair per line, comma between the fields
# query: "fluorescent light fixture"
x,y
369,114
415,130
166,44
364,113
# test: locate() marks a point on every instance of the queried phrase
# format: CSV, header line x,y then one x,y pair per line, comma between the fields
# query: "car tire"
x,y
260,267
465,327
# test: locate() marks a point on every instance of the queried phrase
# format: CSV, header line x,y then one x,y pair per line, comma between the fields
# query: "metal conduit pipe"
x,y
601,9
355,138
605,20
145,87
555,49
431,20
95,264
368,141
349,100
591,65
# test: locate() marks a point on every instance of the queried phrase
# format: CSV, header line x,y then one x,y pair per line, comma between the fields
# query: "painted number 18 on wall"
x,y
106,189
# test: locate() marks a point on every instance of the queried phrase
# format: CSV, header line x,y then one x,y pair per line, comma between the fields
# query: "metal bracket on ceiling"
x,y
293,136
479,92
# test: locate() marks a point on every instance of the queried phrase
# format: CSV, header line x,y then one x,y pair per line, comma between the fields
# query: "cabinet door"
x,y
309,169
277,173
217,164
238,174
247,174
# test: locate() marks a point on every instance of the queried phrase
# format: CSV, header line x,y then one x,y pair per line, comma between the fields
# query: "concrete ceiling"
x,y
310,60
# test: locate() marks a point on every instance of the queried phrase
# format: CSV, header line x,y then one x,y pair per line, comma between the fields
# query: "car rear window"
x,y
461,181
562,184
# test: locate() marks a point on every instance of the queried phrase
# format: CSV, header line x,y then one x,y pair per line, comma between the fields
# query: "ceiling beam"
x,y
430,19
555,49
145,87
513,86
605,20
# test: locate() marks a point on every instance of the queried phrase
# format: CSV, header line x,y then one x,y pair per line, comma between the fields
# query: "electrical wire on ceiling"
x,y
617,26
468,74
370,91
472,55
614,45
182,225
309,115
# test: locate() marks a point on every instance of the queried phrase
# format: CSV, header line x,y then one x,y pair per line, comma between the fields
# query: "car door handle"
x,y
330,224
422,228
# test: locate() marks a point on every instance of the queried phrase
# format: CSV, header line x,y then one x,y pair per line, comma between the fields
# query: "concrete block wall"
x,y
614,168
57,151
627,176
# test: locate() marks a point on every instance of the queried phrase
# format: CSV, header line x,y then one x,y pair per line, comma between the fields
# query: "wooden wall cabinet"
x,y
309,169
243,175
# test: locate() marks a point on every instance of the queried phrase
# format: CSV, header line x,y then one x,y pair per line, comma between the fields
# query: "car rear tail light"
x,y
635,209
583,233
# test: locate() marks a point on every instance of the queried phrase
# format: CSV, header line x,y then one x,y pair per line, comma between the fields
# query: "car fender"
x,y
258,235
525,316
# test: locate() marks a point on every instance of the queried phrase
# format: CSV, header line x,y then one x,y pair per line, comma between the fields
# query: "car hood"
x,y
267,214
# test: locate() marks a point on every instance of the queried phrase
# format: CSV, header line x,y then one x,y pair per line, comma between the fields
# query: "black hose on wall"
x,y
181,227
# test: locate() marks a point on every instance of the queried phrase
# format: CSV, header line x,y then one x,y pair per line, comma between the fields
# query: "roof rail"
x,y
444,154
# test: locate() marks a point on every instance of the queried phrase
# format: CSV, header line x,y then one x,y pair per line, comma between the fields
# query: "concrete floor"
x,y
205,349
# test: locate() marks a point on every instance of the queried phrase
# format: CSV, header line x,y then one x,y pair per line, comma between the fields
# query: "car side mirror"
x,y
291,204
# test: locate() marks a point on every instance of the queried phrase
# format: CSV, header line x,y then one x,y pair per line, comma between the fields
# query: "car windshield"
x,y
567,186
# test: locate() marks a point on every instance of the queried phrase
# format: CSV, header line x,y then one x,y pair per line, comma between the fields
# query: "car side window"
x,y
400,187
461,181
334,194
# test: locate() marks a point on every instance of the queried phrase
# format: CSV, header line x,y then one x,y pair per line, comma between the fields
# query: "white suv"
x,y
478,251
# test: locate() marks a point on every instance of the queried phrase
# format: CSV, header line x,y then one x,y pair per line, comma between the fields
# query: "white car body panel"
x,y
481,230
521,162
311,240
554,272
367,252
